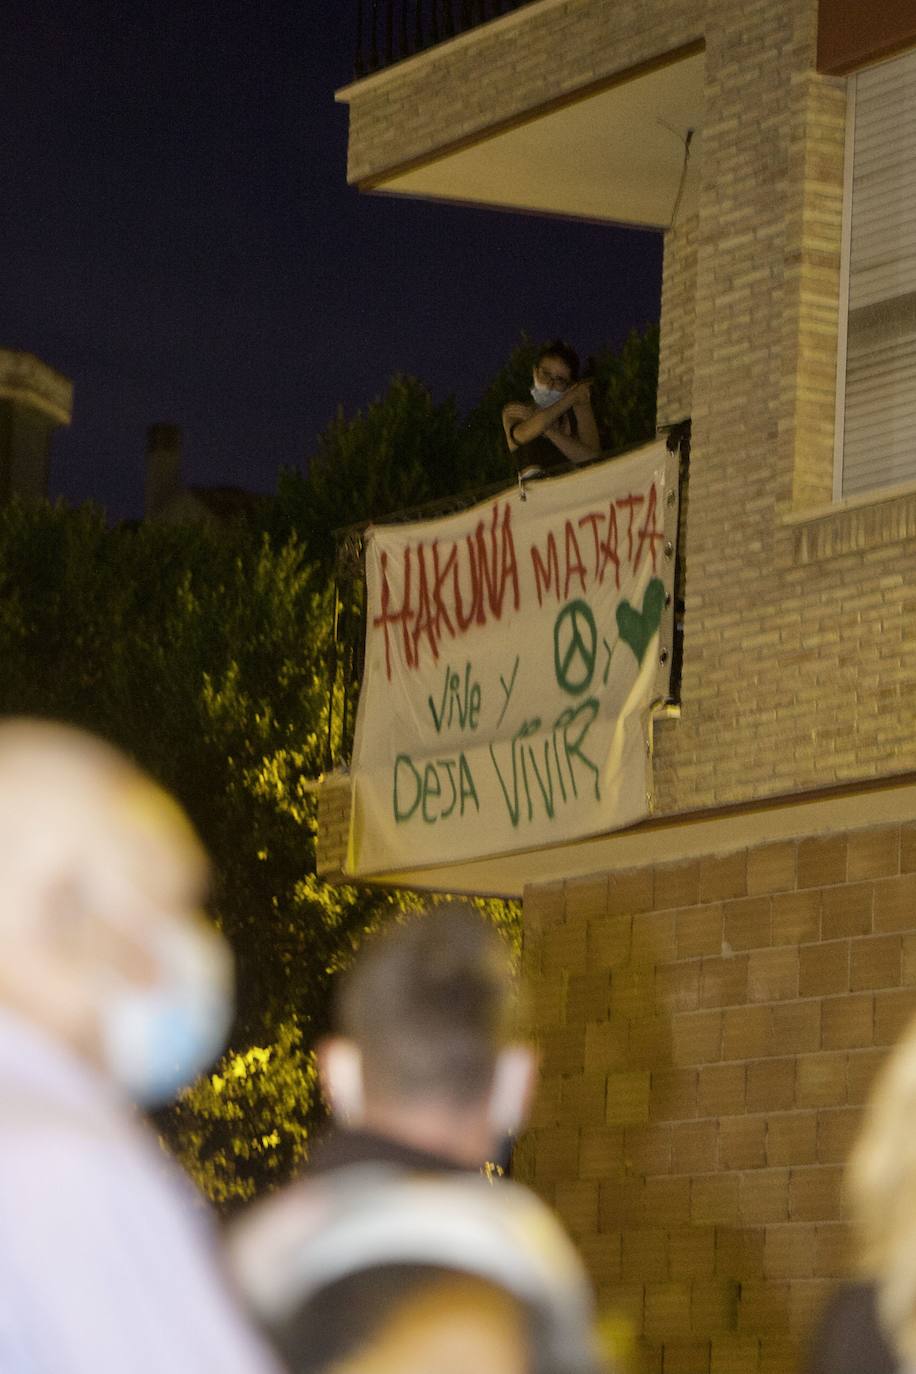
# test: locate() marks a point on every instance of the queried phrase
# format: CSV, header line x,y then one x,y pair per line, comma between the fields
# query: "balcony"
x,y
496,862
345,661
530,111
390,30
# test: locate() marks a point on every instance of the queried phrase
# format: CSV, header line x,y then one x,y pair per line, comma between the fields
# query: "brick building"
x,y
715,988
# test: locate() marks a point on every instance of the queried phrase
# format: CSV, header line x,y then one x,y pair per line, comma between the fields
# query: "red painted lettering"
x,y
649,532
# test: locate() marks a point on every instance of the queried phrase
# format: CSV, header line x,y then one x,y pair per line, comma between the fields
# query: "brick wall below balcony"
x,y
709,1032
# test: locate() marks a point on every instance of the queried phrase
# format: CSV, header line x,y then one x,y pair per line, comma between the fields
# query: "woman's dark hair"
x,y
565,352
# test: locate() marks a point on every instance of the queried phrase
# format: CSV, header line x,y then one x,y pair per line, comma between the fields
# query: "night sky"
x,y
178,238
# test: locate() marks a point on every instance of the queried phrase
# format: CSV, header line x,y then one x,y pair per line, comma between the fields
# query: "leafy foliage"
x,y
404,450
202,651
244,1128
400,451
201,654
626,383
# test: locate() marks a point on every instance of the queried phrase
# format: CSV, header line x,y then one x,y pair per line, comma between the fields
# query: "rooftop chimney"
x,y
163,468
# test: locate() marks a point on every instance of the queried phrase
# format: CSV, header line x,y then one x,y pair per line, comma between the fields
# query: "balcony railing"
x,y
347,646
389,30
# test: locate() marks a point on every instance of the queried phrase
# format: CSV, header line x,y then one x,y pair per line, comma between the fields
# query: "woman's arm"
x,y
523,423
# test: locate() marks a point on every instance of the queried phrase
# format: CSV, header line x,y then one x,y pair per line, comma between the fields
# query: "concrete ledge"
x,y
861,523
334,799
26,379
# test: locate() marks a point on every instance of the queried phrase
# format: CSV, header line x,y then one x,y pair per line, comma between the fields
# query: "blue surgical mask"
x,y
156,1040
545,395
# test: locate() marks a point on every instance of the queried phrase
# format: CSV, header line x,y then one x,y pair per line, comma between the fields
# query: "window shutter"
x,y
879,430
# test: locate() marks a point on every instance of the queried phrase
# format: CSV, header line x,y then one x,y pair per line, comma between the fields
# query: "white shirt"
x,y
107,1262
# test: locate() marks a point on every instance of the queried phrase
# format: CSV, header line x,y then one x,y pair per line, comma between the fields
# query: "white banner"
x,y
513,654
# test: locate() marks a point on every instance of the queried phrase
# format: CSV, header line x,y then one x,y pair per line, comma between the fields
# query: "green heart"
x,y
637,627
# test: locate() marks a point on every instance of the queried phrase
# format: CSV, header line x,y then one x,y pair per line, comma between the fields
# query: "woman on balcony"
x,y
559,429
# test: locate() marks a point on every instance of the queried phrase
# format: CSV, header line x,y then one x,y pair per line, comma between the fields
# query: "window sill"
x,y
867,521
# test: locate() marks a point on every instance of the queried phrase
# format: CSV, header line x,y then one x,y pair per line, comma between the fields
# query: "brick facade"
x,y
709,1030
676,356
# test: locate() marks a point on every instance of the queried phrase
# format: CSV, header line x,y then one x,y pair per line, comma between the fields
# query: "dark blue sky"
x,y
179,239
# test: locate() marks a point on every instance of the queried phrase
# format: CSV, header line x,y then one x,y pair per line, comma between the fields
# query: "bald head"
x,y
74,811
99,870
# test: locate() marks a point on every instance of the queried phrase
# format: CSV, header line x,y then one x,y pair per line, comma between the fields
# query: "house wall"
x,y
709,1030
798,669
677,332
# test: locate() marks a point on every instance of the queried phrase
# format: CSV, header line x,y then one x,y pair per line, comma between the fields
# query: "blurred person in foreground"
x,y
869,1326
114,990
394,1253
423,1070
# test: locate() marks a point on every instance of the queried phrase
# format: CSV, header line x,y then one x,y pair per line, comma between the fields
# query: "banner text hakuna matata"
x,y
463,582
531,775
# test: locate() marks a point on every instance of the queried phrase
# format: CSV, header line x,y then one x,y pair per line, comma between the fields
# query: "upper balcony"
x,y
592,111
390,30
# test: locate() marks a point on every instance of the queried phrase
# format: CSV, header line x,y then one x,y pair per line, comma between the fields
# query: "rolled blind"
x,y
879,446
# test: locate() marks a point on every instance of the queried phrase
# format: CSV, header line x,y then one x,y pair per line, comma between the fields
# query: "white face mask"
x,y
545,395
157,1039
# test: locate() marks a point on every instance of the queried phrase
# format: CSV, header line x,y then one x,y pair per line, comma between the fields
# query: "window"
x,y
876,408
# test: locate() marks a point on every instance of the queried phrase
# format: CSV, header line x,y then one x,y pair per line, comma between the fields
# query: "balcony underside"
x,y
615,153
670,839
507,875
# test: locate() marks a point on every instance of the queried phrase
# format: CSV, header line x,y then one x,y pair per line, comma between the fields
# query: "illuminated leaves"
x,y
244,1128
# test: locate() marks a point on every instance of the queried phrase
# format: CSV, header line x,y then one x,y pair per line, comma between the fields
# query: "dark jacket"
x,y
848,1339
339,1149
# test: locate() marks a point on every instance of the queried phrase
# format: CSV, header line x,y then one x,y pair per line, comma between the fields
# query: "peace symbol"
x,y
575,646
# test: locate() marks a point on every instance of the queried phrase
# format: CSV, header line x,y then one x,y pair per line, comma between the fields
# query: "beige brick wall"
x,y
709,1030
333,825
796,676
678,333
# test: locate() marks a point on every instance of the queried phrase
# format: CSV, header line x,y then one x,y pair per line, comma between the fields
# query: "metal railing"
x,y
390,30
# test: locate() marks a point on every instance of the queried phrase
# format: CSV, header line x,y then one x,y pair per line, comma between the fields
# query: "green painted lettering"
x,y
466,780
513,800
474,706
400,814
432,789
575,725
449,766
547,795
